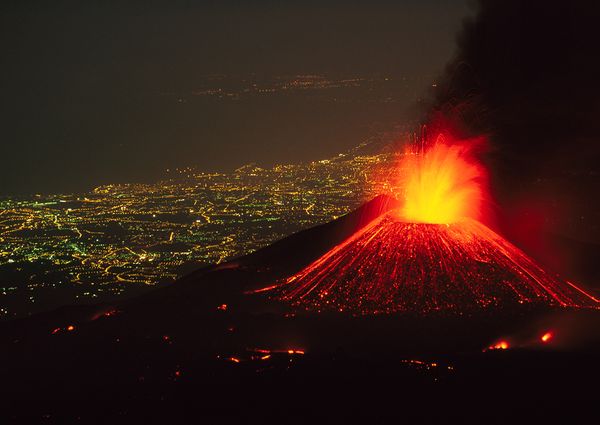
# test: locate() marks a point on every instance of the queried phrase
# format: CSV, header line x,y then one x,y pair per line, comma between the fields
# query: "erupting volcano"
x,y
432,253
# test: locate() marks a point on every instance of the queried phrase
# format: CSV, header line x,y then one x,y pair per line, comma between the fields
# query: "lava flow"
x,y
430,254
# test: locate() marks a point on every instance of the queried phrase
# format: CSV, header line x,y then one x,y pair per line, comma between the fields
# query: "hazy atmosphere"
x,y
109,91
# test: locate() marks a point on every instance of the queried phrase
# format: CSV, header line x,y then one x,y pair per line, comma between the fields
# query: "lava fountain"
x,y
432,253
445,184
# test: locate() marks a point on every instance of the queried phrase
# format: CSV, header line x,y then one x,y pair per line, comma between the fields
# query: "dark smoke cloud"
x,y
527,73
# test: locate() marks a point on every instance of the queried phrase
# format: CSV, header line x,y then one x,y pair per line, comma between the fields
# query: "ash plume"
x,y
527,74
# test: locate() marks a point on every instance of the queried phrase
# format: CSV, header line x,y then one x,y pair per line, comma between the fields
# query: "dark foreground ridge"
x,y
203,351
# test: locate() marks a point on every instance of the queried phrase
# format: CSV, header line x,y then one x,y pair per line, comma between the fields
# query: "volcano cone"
x,y
395,266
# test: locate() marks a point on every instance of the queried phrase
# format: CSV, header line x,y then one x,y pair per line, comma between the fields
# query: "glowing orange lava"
x,y
445,184
546,337
502,345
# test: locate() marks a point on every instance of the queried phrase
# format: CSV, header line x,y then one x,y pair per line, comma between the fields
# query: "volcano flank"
x,y
392,265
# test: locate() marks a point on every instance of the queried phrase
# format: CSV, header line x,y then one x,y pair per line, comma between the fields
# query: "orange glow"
x,y
70,328
234,359
445,184
502,345
222,307
546,337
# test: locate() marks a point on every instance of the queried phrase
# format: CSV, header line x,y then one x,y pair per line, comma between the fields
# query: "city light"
x,y
119,239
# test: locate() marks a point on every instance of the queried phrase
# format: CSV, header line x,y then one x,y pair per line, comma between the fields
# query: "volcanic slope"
x,y
396,266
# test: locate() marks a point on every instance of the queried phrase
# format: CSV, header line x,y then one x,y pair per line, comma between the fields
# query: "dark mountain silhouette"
x,y
201,350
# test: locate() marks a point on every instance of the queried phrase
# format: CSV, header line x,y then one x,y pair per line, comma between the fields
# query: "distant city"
x,y
118,240
372,88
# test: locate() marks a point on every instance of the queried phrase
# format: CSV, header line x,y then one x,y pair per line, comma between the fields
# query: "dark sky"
x,y
81,82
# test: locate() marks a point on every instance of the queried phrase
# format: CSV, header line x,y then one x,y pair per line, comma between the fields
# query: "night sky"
x,y
83,83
